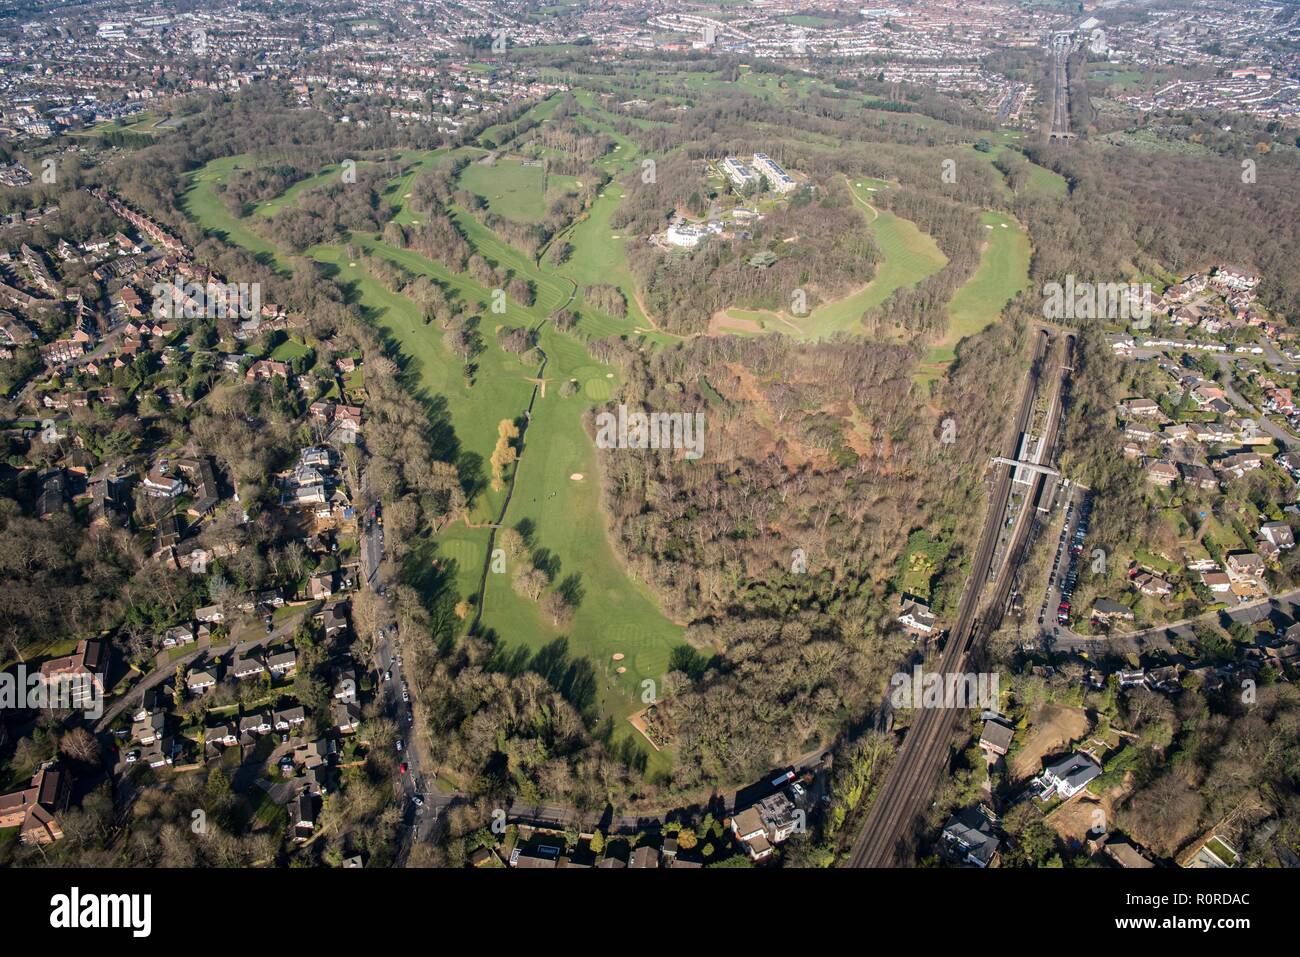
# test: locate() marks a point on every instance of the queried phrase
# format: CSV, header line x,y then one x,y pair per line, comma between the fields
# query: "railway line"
x,y
886,837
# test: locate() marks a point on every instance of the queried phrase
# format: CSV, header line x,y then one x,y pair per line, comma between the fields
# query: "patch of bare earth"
x,y
1052,726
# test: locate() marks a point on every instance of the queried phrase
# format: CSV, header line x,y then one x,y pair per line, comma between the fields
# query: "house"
x,y
335,620
1239,463
345,689
644,857
177,636
288,718
264,369
1245,566
1106,610
321,585
1152,585
996,737
1068,776
1162,473
255,724
769,822
1121,852
162,482
150,701
1216,581
1278,533
1198,476
283,664
202,680
1139,406
210,614
33,809
223,735
149,729
81,673
969,836
247,668
302,815
347,717
915,615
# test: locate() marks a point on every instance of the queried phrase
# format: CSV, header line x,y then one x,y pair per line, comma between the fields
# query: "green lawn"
x,y
1003,271
511,188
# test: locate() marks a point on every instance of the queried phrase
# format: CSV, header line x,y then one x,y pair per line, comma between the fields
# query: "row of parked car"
x,y
1068,550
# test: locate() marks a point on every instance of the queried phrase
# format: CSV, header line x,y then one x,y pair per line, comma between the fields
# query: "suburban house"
x,y
81,672
32,809
201,680
1162,473
222,734
1068,776
1107,610
255,724
288,718
1245,566
1278,534
302,814
247,668
915,616
283,664
996,737
769,822
969,836
1152,585
347,717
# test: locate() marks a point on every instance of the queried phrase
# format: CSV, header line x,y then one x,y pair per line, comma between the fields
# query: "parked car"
x,y
132,757
402,767
399,744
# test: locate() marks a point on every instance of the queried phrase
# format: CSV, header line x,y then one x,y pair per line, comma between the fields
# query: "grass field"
x,y
1003,271
512,189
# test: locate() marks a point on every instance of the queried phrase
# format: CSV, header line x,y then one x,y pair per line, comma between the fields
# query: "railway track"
x,y
923,758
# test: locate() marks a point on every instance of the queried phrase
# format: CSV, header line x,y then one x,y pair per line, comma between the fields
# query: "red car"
x,y
402,767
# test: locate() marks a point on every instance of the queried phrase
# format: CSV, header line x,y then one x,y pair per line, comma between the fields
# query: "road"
x,y
923,758
1284,437
165,667
418,819
1160,636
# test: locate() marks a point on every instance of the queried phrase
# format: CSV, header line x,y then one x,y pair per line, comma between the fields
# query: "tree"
x,y
80,745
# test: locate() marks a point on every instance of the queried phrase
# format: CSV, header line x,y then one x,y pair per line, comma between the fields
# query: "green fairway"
x,y
1003,271
907,255
513,189
617,614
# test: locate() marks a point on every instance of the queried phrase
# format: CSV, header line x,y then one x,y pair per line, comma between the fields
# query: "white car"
x,y
406,695
399,744
132,757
